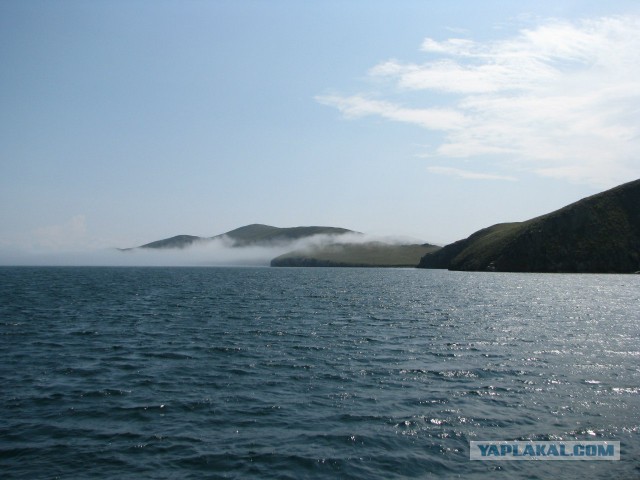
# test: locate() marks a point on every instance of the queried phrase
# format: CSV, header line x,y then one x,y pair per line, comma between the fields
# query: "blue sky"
x,y
123,122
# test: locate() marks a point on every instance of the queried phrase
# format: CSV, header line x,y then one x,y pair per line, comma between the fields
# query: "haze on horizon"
x,y
127,122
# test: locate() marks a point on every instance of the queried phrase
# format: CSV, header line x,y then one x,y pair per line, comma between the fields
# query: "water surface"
x,y
311,373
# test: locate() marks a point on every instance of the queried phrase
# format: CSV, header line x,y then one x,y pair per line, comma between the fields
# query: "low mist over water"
x,y
211,252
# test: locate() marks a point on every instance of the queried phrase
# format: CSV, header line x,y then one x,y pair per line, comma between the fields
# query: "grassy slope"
x,y
369,254
260,234
600,233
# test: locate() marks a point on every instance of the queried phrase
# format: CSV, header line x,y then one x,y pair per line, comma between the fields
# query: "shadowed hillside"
x,y
368,254
598,234
179,241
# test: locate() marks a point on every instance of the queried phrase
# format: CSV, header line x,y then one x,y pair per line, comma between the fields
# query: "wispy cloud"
x,y
469,175
431,118
561,100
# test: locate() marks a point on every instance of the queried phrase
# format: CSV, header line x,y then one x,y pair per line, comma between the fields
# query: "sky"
x,y
124,122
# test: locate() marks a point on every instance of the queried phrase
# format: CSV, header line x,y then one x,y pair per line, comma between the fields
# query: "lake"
x,y
312,373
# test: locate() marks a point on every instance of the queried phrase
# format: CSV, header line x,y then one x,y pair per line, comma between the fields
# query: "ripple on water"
x,y
311,373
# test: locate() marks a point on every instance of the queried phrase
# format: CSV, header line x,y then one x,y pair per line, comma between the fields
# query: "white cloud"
x,y
469,175
431,118
560,100
70,234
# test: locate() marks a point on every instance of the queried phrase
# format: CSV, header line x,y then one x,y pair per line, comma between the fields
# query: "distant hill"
x,y
598,234
255,234
367,254
179,241
328,254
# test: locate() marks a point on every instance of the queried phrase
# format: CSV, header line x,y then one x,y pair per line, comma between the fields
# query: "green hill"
x,y
257,234
249,235
367,254
598,234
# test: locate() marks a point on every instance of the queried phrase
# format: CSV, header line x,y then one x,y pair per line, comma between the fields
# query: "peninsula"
x,y
598,234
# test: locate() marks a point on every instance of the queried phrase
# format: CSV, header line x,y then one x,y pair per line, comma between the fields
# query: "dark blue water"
x,y
311,373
